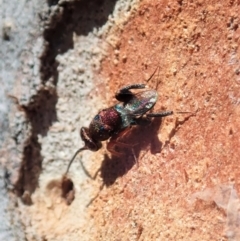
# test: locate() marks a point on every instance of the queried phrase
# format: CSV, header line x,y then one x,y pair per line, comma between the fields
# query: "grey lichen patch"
x,y
57,92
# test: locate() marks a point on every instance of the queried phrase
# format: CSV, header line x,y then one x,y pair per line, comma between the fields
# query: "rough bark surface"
x,y
61,62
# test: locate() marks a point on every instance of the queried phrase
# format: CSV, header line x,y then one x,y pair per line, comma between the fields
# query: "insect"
x,y
110,123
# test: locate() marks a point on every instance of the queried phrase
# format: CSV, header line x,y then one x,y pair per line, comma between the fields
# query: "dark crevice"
x,y
52,2
61,22
30,170
68,192
40,113
79,17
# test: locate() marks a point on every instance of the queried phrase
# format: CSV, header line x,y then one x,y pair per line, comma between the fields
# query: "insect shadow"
x,y
140,138
113,167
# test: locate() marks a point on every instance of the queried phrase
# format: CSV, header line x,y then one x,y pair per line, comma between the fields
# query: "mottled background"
x,y
61,62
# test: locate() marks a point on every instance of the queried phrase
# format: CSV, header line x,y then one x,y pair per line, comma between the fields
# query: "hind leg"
x,y
160,114
114,142
124,94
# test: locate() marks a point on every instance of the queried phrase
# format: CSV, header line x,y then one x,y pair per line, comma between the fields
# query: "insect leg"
x,y
124,94
88,174
83,167
114,141
160,114
94,198
111,148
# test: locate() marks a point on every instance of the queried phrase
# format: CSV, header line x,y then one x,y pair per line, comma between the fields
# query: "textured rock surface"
x,y
196,48
63,62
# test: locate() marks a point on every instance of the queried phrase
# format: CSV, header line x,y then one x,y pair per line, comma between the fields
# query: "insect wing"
x,y
142,102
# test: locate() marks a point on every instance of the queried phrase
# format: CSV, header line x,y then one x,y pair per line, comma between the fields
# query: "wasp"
x,y
110,123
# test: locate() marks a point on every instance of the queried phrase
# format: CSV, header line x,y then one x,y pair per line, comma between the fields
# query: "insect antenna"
x,y
74,156
184,112
151,76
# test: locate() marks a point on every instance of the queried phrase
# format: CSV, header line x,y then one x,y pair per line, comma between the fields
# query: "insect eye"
x,y
96,118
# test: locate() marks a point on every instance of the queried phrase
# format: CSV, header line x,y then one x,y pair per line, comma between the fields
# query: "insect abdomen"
x,y
104,124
